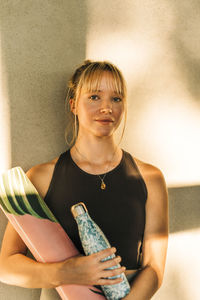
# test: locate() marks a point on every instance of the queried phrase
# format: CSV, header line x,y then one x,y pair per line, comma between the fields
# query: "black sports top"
x,y
119,210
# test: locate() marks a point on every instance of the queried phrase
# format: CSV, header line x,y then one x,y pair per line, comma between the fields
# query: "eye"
x,y
117,99
94,97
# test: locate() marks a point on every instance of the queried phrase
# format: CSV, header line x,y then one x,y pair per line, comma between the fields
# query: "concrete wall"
x,y
41,43
156,46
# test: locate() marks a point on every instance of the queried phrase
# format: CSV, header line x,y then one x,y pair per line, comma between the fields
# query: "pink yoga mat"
x,y
39,229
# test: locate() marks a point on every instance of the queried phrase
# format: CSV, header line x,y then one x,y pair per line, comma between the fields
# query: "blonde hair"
x,y
88,76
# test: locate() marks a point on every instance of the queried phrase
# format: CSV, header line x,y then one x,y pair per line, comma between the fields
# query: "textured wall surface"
x,y
156,46
41,43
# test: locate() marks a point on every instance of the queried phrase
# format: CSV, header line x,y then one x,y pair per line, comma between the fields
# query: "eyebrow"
x,y
100,91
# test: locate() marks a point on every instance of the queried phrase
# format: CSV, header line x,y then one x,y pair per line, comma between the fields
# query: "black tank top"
x,y
119,210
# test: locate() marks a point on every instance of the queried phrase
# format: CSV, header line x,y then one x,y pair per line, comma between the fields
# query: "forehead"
x,y
104,81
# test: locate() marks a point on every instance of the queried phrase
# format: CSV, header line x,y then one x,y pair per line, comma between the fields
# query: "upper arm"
x,y
156,227
12,243
40,176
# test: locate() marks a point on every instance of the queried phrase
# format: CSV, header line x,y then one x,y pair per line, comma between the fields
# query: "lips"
x,y
104,121
108,121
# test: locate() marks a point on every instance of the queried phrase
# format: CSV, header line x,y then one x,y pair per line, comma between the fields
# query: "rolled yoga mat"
x,y
39,229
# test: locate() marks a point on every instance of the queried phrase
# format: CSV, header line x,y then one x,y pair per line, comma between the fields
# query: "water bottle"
x,y
93,240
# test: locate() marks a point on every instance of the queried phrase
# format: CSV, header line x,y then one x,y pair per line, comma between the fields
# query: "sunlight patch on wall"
x,y
123,51
170,131
181,280
5,142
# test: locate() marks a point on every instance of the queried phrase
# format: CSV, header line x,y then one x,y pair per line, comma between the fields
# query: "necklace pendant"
x,y
103,185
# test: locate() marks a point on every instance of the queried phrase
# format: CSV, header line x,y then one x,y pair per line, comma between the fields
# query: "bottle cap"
x,y
78,209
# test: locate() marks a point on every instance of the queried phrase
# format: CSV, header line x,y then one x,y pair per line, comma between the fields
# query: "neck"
x,y
98,150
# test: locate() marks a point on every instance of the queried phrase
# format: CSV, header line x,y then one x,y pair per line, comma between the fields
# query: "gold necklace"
x,y
103,185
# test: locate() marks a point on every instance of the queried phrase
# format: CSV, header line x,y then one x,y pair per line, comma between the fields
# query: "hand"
x,y
90,270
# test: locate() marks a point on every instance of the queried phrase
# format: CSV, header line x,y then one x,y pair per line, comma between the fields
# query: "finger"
x,y
113,272
104,253
103,281
111,262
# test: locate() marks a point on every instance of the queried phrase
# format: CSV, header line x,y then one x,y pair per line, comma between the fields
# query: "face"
x,y
99,112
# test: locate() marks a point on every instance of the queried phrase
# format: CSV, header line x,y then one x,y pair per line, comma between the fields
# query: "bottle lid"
x,y
78,209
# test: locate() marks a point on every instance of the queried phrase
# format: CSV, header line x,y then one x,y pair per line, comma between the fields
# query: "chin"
x,y
104,134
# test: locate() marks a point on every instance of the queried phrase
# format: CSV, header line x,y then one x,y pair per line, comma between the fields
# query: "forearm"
x,y
23,271
19,270
144,286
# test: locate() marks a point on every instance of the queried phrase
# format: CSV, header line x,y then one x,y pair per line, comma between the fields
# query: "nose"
x,y
106,110
106,107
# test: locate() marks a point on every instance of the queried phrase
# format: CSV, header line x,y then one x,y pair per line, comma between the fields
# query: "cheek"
x,y
119,112
86,112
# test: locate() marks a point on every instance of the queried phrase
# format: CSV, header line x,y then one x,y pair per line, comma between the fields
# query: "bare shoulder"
x,y
40,175
148,170
153,177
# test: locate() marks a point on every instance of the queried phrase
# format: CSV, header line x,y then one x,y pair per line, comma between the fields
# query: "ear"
x,y
72,106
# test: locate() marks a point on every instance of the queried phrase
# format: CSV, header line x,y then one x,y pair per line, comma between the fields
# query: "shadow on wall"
x,y
41,44
184,208
184,39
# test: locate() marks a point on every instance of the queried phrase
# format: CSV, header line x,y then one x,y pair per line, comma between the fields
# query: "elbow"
x,y
157,276
154,275
1,276
7,275
3,272
160,280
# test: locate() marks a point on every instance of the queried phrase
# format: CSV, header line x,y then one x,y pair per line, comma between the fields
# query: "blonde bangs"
x,y
90,79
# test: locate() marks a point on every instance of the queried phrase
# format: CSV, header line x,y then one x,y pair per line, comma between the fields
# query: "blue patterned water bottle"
x,y
93,240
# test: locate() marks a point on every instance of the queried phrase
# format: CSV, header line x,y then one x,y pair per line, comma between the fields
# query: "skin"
x,y
97,154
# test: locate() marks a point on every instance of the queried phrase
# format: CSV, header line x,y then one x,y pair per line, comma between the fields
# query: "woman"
x,y
125,196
